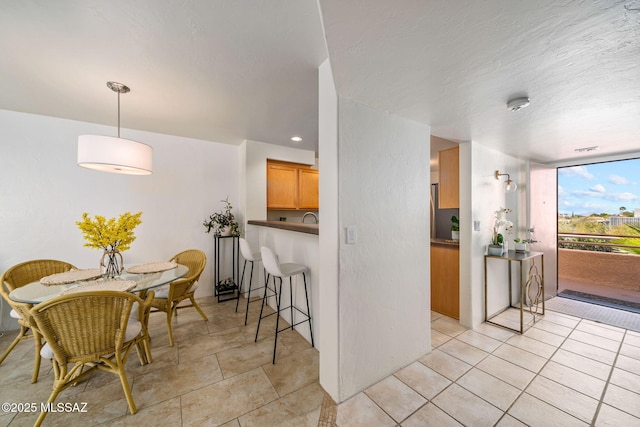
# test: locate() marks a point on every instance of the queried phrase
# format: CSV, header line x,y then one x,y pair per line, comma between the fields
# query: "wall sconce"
x,y
511,186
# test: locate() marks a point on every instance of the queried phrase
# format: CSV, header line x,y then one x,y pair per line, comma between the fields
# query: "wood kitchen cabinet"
x,y
445,279
449,178
291,186
308,189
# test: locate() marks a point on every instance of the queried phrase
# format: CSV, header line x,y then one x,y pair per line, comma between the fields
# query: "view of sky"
x,y
599,187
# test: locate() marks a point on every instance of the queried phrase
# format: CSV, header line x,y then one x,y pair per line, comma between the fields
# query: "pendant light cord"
x,y
118,114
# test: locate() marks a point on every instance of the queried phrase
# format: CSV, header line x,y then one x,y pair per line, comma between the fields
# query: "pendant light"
x,y
111,154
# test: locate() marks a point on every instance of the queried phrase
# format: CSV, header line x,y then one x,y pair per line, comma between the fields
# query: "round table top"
x,y
36,292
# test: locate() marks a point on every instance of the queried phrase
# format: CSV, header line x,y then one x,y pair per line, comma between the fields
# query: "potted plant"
x,y
521,245
455,228
496,247
223,223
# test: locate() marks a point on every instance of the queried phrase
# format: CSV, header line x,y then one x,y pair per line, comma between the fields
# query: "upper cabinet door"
x,y
449,178
282,186
308,189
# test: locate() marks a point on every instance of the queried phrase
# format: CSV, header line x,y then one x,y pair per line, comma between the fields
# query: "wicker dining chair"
x,y
167,299
90,330
16,277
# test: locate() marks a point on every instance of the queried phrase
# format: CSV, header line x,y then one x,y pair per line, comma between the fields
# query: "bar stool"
x,y
275,269
252,257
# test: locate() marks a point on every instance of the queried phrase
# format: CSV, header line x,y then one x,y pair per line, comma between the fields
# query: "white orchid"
x,y
501,222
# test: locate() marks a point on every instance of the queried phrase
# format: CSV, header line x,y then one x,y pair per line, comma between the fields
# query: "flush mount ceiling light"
x,y
296,138
510,186
518,104
584,149
117,155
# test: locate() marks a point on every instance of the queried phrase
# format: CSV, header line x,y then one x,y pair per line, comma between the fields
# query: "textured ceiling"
x,y
454,65
224,70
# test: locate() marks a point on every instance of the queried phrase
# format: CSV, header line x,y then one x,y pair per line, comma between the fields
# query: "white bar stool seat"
x,y
275,269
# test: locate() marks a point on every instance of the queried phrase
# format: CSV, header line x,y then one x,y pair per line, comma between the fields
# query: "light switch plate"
x,y
352,235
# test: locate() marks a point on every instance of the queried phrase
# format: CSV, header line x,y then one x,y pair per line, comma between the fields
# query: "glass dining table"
x,y
36,292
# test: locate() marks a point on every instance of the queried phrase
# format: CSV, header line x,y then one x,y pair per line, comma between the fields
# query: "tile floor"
x,y
214,375
563,371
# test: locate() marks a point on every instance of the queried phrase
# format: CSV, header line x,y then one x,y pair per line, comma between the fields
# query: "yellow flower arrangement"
x,y
109,234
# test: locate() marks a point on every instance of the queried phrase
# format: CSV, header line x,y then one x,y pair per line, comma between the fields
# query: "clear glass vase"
x,y
111,264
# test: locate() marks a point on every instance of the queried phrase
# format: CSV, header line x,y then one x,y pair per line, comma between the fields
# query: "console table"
x,y
531,288
227,289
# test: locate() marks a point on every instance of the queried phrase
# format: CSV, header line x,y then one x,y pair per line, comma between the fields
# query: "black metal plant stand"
x,y
227,289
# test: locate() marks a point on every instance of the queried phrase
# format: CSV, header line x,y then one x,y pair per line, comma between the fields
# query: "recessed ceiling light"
x,y
518,104
584,149
296,138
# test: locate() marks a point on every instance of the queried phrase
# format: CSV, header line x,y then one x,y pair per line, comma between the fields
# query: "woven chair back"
x,y
32,271
83,327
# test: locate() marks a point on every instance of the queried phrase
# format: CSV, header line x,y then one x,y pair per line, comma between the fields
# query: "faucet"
x,y
310,213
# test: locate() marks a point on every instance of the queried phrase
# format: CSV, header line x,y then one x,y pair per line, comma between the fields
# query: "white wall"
x,y
329,238
44,192
375,302
480,196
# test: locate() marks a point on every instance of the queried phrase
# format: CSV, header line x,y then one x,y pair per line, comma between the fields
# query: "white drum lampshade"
x,y
117,155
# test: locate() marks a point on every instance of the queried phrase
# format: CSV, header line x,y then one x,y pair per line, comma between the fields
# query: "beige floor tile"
x,y
299,409
586,350
210,344
494,332
231,398
479,340
532,346
435,315
576,380
630,351
293,372
161,385
438,338
506,371
554,328
422,379
583,364
535,412
293,341
463,351
489,388
601,330
167,413
430,416
520,357
444,364
626,380
395,398
623,399
564,398
508,421
248,356
612,417
466,407
545,337
600,342
628,364
632,338
360,411
448,326
561,319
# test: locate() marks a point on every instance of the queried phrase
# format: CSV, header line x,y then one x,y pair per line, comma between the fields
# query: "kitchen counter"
x,y
447,242
291,226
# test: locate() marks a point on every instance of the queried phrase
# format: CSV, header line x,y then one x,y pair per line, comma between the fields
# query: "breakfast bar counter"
x,y
291,226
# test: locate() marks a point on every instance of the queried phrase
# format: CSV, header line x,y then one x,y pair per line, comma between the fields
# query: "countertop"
x,y
291,226
446,242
